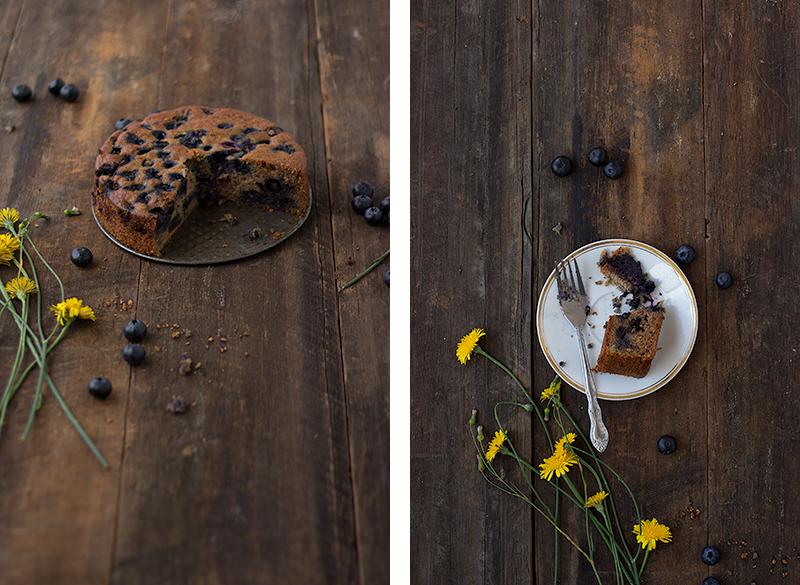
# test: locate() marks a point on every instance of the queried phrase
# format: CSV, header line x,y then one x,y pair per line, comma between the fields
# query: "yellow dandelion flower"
x,y
567,439
8,217
596,500
552,390
650,532
20,287
8,247
495,444
558,463
468,344
70,309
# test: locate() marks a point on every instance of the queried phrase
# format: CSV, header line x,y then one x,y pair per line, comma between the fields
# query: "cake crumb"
x,y
177,405
254,234
229,218
558,227
185,365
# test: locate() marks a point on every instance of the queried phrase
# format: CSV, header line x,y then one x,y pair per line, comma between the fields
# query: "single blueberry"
x,y
666,445
649,286
21,92
598,156
69,93
361,203
386,278
133,353
724,280
363,188
99,388
685,254
134,330
561,166
710,555
613,169
121,123
711,581
54,87
81,256
384,205
373,215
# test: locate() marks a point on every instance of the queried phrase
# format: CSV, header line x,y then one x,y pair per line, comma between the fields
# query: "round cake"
x,y
151,174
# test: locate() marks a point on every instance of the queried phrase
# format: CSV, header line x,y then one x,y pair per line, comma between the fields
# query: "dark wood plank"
x,y
58,506
253,484
752,179
353,46
630,81
471,265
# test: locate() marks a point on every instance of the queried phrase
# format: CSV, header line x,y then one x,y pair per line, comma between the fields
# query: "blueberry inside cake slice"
x,y
630,342
151,174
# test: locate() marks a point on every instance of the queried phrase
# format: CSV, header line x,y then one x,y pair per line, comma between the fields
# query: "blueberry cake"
x,y
631,338
630,342
151,174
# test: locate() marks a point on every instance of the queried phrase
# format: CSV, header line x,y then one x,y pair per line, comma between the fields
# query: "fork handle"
x,y
598,432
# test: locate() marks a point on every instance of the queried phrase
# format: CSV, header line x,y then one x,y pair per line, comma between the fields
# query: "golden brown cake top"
x,y
143,166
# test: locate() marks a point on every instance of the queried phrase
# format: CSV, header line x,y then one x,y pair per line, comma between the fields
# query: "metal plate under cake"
x,y
221,233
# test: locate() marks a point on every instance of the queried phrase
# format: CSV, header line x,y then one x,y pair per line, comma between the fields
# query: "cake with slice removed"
x,y
151,174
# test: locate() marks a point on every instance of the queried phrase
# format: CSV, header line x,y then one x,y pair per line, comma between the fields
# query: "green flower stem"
x,y
68,413
50,268
480,351
644,561
8,392
605,485
366,271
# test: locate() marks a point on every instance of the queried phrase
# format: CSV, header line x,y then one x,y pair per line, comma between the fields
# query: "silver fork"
x,y
573,301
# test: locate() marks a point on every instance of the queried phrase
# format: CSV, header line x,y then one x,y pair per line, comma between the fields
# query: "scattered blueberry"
x,y
711,581
361,203
386,278
598,156
561,166
21,92
99,388
134,330
724,280
710,555
384,205
649,286
54,87
363,188
685,254
613,169
667,445
121,123
81,257
373,215
69,93
133,353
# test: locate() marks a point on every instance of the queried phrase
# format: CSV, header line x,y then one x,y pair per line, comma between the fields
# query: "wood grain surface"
x,y
279,470
698,100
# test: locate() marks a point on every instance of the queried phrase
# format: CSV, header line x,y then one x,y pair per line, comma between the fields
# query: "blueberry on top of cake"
x,y
152,173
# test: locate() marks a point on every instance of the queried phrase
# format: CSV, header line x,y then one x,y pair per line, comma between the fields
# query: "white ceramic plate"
x,y
559,342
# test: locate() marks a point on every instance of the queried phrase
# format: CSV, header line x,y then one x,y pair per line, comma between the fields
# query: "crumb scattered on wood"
x,y
254,233
177,405
229,218
558,227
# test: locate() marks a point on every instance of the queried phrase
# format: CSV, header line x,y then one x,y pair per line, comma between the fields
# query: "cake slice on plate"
x,y
631,339
630,342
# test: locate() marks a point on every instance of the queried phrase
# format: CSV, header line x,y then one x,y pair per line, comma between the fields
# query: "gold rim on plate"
x,y
655,385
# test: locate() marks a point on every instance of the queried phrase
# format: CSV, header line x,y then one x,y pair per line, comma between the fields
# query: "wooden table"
x,y
278,473
699,99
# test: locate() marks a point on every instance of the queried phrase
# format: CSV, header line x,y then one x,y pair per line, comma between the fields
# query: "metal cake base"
x,y
222,233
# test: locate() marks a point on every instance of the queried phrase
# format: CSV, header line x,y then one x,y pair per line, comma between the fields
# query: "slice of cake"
x,y
630,342
153,173
622,270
